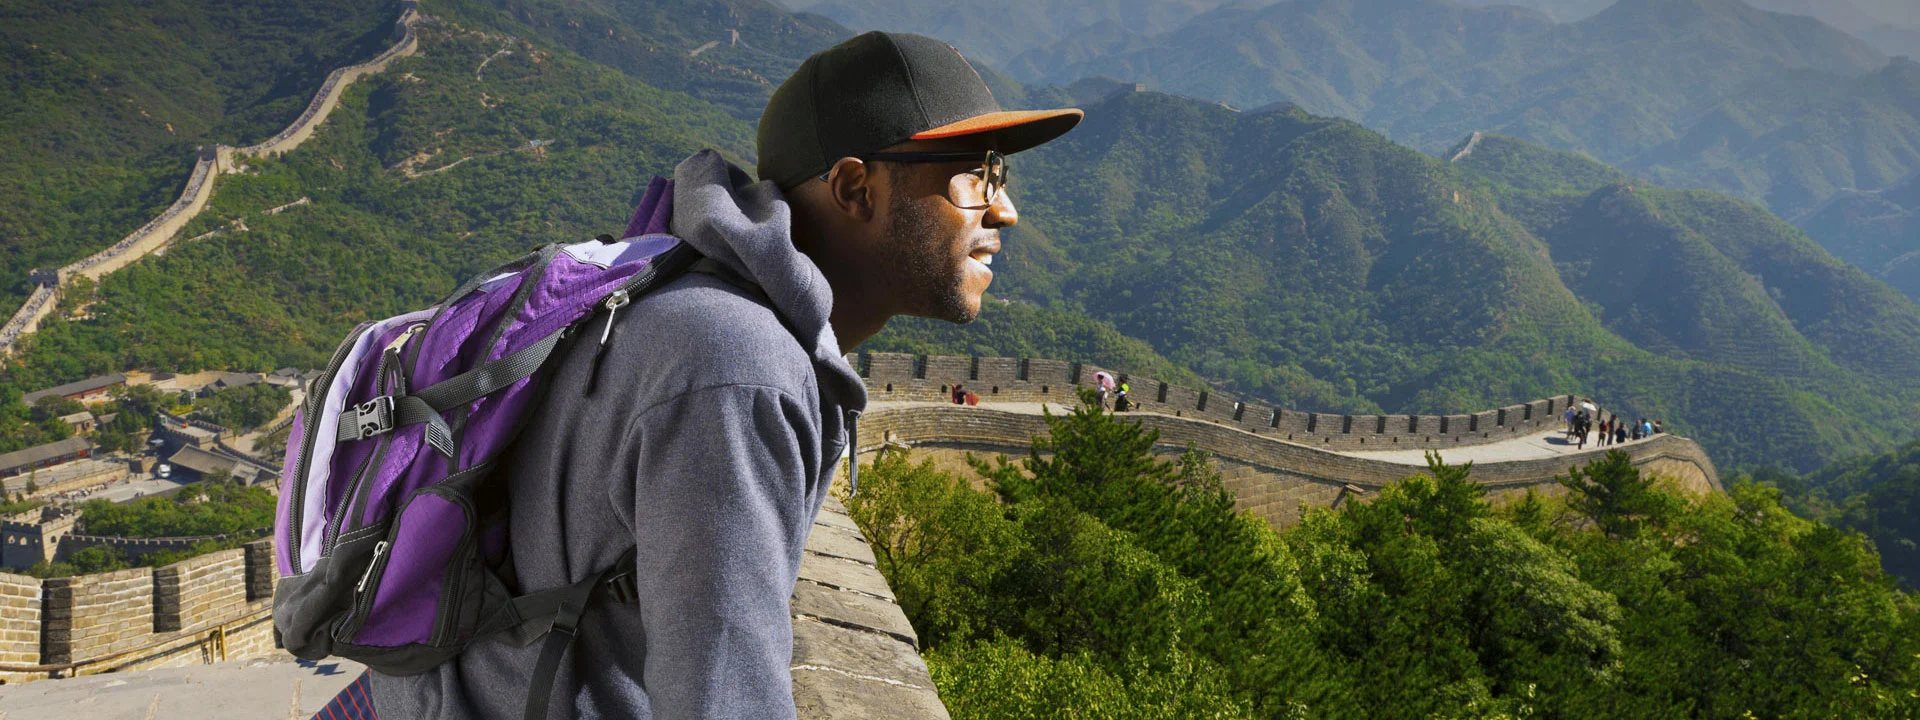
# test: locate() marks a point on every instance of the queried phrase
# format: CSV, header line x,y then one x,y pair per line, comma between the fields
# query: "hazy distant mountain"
x,y
1893,40
1849,15
996,31
1878,231
1561,10
1694,93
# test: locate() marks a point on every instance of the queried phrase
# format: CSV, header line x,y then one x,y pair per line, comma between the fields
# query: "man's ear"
x,y
851,188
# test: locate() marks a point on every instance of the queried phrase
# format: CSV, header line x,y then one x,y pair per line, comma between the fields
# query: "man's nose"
x,y
1001,213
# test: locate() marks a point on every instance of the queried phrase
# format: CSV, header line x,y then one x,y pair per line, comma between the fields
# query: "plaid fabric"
x,y
353,703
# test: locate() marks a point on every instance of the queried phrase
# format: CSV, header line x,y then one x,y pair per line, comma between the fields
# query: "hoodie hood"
x,y
720,211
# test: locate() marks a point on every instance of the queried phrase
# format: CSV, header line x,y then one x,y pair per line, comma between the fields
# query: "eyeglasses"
x,y
975,189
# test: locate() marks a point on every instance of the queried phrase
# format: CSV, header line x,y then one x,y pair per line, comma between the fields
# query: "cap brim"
x,y
1015,130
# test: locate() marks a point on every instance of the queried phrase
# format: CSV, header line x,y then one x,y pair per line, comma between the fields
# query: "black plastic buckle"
x,y
620,588
374,416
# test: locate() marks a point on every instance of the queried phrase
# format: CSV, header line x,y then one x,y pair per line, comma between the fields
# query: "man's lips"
x,y
984,254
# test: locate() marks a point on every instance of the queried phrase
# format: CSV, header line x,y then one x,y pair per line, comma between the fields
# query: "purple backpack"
x,y
391,535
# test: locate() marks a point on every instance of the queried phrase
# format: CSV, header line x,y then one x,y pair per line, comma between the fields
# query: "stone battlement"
x,y
204,609
899,376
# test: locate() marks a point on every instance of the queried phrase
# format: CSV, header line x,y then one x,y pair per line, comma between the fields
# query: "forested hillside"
x,y
1877,495
1280,255
1092,576
102,105
1310,261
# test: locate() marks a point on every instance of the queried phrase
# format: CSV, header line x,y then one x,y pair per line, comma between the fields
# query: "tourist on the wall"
x,y
881,192
1568,416
959,394
1121,403
1103,382
1657,429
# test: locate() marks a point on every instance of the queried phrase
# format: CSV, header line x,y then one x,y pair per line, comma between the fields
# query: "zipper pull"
x,y
378,550
616,300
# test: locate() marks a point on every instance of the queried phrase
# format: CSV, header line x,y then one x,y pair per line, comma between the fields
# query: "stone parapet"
x,y
1282,474
19,625
96,615
899,376
854,653
199,590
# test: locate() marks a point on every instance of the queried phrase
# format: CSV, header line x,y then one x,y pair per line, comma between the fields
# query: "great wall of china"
x,y
855,654
206,168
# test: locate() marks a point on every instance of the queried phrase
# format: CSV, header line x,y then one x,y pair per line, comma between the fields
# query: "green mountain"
x,y
1284,256
1696,275
1309,261
1877,495
434,170
1713,94
729,52
102,104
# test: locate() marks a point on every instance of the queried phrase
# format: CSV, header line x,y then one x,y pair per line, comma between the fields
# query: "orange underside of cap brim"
x,y
994,121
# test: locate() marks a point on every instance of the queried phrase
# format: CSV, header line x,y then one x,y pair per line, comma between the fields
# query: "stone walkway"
x,y
1551,443
1544,444
280,686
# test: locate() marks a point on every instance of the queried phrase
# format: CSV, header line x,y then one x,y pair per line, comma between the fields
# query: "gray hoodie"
x,y
709,442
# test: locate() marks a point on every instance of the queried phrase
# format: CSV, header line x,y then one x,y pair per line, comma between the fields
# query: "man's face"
x,y
939,250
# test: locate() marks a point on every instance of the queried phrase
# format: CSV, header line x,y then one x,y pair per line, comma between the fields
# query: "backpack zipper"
x,y
455,588
389,362
363,600
324,382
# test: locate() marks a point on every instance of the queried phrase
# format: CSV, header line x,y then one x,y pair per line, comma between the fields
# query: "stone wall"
x,y
1277,476
209,608
324,100
19,625
209,163
854,653
897,376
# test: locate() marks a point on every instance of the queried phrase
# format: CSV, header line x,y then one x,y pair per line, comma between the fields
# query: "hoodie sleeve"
x,y
723,485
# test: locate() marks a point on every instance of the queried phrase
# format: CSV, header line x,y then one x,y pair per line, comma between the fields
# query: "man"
x,y
882,193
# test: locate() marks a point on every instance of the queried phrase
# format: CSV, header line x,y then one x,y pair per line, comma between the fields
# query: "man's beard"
x,y
925,254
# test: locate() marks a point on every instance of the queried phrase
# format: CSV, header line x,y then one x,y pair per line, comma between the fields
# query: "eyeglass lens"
x,y
978,189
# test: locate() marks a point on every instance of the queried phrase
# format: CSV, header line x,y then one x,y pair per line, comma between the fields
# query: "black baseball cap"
x,y
880,89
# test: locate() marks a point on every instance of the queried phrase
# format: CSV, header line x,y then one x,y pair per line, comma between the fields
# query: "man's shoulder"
x,y
699,332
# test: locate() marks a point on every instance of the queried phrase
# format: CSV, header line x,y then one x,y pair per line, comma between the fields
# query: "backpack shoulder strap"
x,y
555,613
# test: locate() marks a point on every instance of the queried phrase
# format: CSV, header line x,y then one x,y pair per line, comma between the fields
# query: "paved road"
x,y
281,686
